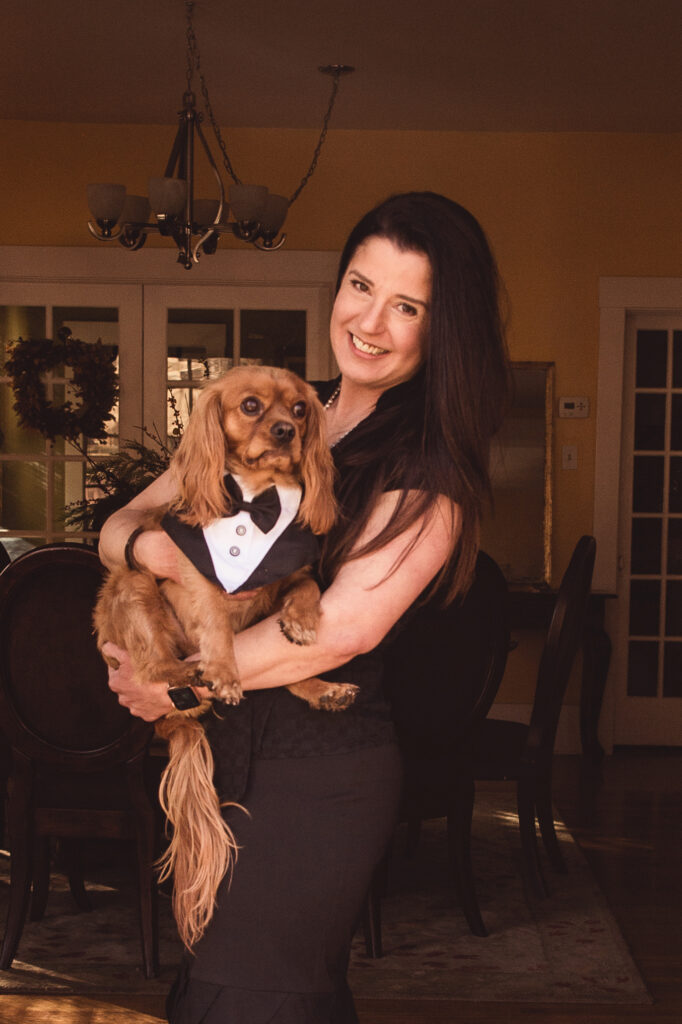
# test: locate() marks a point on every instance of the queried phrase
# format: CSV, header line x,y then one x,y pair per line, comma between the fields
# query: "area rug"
x,y
566,948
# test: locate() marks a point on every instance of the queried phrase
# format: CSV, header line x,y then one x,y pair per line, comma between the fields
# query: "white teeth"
x,y
371,350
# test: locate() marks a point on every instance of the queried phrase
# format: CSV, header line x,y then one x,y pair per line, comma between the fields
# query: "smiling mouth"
x,y
363,346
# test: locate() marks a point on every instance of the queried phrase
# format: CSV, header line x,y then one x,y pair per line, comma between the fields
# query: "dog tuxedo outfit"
x,y
256,543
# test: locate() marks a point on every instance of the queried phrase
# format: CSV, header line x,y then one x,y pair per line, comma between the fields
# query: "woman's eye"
x,y
250,406
360,286
299,410
407,309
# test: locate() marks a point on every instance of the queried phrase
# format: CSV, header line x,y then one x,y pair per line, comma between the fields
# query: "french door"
x,y
648,661
167,340
39,479
194,333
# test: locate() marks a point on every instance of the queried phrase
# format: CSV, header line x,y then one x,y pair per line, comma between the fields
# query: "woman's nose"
x,y
372,319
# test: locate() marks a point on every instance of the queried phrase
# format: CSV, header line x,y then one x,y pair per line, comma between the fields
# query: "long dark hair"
x,y
432,434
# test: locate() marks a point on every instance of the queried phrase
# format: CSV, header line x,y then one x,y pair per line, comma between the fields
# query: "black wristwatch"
x,y
183,697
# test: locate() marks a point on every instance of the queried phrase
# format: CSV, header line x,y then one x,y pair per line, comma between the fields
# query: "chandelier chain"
x,y
194,63
320,142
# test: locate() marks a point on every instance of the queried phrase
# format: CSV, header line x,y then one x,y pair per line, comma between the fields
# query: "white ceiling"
x,y
491,65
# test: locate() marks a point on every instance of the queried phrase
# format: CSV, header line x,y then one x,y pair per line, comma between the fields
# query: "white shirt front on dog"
x,y
236,544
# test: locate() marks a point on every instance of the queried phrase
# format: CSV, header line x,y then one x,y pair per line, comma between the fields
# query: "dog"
x,y
254,440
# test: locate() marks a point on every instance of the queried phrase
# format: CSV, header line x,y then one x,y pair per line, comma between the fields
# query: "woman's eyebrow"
x,y
406,298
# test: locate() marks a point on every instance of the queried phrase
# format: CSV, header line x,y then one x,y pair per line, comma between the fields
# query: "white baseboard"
x,y
568,733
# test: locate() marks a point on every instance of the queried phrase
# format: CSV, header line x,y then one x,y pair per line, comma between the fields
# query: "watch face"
x,y
183,697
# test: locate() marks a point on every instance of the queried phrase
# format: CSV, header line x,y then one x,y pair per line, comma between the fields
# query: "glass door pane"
x,y
650,604
41,479
195,333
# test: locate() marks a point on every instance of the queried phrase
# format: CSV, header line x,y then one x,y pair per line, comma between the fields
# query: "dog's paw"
x,y
337,697
301,631
221,682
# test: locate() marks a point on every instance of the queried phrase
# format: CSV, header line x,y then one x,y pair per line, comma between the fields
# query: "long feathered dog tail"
x,y
202,848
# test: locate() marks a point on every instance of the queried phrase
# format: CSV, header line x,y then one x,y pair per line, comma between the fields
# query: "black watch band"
x,y
183,697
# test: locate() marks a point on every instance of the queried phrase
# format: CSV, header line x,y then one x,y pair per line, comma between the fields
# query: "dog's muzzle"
x,y
282,432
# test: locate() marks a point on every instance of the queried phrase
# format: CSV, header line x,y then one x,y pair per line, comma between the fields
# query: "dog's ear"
x,y
318,508
199,463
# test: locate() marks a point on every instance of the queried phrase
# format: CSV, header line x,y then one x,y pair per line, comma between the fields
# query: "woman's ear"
x,y
318,508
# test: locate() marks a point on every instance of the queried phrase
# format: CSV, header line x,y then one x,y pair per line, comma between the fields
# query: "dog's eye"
x,y
250,406
299,410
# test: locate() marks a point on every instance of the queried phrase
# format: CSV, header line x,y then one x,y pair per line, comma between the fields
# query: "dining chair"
x,y
78,758
506,750
442,673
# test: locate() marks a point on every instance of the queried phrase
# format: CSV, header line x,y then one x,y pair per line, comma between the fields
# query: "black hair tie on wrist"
x,y
129,556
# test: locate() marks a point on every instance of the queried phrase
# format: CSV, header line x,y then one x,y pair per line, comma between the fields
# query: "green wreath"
x,y
94,381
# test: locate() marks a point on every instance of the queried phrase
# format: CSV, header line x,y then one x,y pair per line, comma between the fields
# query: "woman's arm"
x,y
153,548
358,609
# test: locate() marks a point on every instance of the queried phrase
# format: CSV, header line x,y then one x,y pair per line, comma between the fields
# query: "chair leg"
x,y
40,878
459,841
144,816
73,867
543,807
525,799
20,822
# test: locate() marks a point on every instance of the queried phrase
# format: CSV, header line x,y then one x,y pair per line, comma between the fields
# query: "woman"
x,y
417,336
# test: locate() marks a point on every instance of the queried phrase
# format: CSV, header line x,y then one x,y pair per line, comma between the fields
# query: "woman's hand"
x,y
148,701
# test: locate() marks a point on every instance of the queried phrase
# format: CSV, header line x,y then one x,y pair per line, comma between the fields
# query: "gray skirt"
x,y
276,951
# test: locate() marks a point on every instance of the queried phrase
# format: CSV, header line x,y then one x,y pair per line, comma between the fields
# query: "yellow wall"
x,y
561,210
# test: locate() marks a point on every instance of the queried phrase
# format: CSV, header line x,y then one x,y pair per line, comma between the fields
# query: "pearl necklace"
x,y
327,405
334,395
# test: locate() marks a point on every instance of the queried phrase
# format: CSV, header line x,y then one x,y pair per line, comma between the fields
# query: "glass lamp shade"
x,y
136,210
167,196
106,201
205,211
274,213
248,201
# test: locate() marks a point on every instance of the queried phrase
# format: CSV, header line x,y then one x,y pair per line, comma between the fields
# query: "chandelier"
x,y
172,210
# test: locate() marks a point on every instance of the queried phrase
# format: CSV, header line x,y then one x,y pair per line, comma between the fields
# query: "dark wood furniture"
x,y
442,674
78,758
504,750
533,609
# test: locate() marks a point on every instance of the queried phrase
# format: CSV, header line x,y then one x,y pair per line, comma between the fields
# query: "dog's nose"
x,y
282,432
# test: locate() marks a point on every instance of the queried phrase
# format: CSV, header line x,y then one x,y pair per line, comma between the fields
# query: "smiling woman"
x,y
416,332
379,322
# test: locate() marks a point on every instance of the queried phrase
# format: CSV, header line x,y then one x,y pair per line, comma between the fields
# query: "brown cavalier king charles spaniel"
x,y
254,476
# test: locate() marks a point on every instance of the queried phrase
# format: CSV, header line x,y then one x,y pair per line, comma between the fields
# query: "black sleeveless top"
x,y
273,723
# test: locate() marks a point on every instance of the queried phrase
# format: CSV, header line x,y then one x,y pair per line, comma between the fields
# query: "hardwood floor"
x,y
627,818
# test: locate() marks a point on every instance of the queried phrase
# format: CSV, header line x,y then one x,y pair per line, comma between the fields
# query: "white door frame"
x,y
618,297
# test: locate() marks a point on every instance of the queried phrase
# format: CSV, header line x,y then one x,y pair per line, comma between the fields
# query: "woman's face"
x,y
380,318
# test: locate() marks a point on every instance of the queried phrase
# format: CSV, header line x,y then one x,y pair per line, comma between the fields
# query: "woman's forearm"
x,y
153,548
366,599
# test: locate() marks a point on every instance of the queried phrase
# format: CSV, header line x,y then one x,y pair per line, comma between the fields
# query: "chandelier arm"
x,y
216,173
177,149
273,247
323,135
100,234
196,249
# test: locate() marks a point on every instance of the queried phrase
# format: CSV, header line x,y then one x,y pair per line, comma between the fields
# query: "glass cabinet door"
x,y
39,478
193,334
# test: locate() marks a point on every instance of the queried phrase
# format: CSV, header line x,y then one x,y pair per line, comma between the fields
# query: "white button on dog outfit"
x,y
265,553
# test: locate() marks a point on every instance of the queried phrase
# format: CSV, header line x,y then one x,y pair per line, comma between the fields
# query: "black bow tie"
x,y
264,509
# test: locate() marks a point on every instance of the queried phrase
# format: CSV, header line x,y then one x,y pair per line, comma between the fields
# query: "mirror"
x,y
517,532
